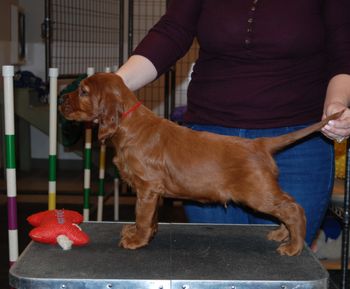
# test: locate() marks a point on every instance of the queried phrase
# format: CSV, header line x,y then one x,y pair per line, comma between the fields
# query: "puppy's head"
x,y
100,98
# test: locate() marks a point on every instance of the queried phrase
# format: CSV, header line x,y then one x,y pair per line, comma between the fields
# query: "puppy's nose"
x,y
62,99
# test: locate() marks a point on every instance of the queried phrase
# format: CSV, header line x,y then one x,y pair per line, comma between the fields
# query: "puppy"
x,y
159,158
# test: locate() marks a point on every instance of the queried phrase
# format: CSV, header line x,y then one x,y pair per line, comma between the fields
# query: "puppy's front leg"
x,y
139,234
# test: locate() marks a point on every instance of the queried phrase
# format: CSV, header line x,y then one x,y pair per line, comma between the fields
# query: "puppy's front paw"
x,y
127,230
134,238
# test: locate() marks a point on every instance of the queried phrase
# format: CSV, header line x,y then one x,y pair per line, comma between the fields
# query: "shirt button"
x,y
255,1
253,8
247,41
250,20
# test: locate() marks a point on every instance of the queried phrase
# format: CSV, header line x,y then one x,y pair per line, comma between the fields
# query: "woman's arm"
x,y
337,26
166,42
137,71
337,99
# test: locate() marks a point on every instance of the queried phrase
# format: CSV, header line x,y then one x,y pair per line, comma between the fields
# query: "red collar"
x,y
133,108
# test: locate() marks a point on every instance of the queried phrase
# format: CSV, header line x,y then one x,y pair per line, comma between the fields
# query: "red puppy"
x,y
159,158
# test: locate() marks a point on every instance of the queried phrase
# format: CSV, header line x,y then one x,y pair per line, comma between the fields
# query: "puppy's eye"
x,y
83,92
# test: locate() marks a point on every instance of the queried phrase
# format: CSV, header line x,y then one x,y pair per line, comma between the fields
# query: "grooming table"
x,y
181,256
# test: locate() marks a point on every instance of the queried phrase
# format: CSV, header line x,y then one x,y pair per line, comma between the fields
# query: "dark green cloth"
x,y
71,131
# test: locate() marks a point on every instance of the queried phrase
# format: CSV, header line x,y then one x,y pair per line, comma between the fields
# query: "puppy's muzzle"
x,y
64,105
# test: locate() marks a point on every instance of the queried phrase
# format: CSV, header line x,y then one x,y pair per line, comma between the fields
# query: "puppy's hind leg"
x,y
292,215
293,228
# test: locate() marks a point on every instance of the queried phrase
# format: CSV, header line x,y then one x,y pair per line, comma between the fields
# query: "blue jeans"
x,y
306,171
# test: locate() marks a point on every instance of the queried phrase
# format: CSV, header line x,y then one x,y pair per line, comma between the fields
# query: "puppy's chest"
x,y
128,166
122,165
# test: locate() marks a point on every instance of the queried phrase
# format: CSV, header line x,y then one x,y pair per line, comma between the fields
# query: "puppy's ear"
x,y
110,111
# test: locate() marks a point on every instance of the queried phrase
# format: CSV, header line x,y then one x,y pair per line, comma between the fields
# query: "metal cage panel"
x,y
84,33
97,33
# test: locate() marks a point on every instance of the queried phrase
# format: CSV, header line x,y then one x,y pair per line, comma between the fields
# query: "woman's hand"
x,y
337,99
338,129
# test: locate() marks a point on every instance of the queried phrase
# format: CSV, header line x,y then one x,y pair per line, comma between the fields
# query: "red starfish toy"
x,y
52,224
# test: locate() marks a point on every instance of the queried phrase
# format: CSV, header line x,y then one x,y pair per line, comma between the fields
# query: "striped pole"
x,y
53,74
115,68
90,71
101,179
87,171
116,177
116,195
8,73
101,183
87,162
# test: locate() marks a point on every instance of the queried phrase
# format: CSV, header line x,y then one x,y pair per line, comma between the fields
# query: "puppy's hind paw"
x,y
279,235
290,249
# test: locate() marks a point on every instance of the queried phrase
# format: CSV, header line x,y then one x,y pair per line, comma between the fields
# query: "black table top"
x,y
180,255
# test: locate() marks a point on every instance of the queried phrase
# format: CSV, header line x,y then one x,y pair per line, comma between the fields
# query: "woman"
x,y
265,68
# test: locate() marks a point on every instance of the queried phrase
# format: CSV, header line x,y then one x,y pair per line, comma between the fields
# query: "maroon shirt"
x,y
262,63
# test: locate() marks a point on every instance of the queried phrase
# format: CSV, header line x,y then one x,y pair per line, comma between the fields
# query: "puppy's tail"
x,y
276,143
